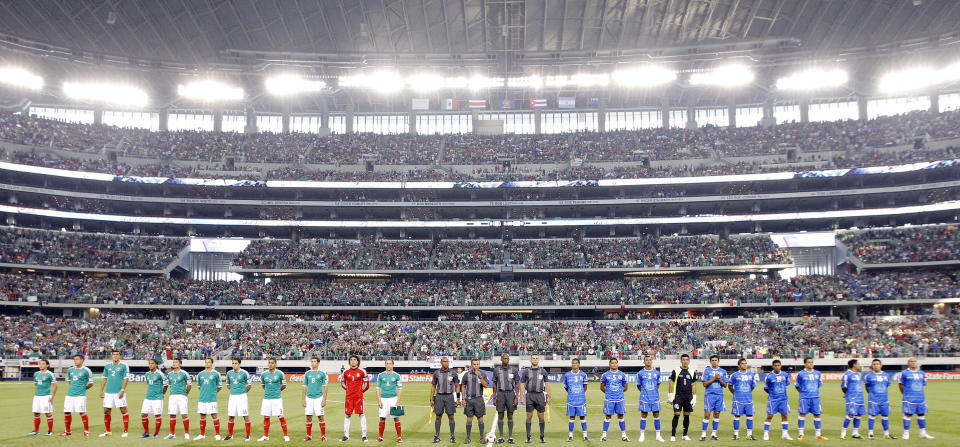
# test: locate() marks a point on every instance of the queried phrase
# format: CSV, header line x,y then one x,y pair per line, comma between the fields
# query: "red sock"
x,y
67,421
216,425
283,425
186,424
229,428
50,424
309,429
36,423
126,422
203,427
173,425
266,427
86,421
397,425
158,421
382,425
247,426
146,424
107,418
323,429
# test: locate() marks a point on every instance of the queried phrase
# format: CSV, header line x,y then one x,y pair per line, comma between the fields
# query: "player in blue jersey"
x,y
912,382
852,385
612,384
776,384
808,384
714,381
575,382
648,383
877,383
742,383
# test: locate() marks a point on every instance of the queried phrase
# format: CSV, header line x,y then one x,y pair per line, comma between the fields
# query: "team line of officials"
x,y
509,387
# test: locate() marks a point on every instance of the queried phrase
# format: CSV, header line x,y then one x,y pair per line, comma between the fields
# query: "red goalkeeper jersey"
x,y
356,382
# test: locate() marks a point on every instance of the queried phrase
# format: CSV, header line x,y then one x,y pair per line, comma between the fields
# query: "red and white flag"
x,y
538,103
477,104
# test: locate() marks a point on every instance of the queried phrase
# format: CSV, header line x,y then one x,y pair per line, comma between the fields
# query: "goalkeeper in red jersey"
x,y
355,381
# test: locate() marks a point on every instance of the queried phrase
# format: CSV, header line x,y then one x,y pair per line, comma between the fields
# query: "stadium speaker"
x,y
369,165
645,161
791,155
112,156
506,164
230,163
918,143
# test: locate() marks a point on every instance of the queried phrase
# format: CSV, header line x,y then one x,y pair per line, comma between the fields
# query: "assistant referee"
x,y
681,395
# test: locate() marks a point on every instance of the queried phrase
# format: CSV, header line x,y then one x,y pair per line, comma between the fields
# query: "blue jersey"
x,y
776,385
649,381
615,383
877,385
743,385
853,383
574,383
913,383
809,383
714,388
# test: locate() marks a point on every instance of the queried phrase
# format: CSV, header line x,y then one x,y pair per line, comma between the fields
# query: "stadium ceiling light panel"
x,y
107,93
430,82
480,82
287,85
813,79
20,78
726,76
918,78
532,81
641,77
384,82
579,80
210,91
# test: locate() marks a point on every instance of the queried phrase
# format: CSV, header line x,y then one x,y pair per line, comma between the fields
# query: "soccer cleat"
x,y
544,441
586,438
925,436
104,434
228,438
510,441
500,441
186,436
199,437
735,437
822,438
843,436
673,439
660,438
49,433
800,438
703,437
33,433
323,439
856,436
436,439
124,434
145,436
263,438
870,436
641,437
906,435
686,438
345,439
624,438
465,441
364,439
569,438
247,439
889,437
603,438
86,434
400,440
786,437
752,438
286,438
307,438
156,436
766,436
528,439
453,440
379,438
714,438
171,436
216,437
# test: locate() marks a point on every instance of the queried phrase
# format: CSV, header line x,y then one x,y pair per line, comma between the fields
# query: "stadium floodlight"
x,y
430,82
20,78
107,93
645,76
481,82
532,81
734,75
909,79
210,91
813,79
579,80
289,84
384,81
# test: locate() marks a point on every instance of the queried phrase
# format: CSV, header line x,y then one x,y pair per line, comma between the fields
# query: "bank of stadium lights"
x,y
431,82
289,84
726,76
107,93
578,80
813,79
532,81
480,83
380,81
642,77
210,91
20,78
918,78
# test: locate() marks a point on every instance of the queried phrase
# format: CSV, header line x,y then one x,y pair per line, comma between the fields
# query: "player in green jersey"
x,y
209,382
46,390
179,382
153,401
273,382
238,382
389,388
315,398
113,391
81,380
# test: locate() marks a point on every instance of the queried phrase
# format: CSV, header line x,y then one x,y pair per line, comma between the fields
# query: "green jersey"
x,y
315,381
209,383
155,382
178,382
115,375
389,384
238,381
44,381
272,382
79,379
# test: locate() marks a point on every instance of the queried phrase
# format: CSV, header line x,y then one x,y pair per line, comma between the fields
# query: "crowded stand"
x,y
904,244
750,338
72,249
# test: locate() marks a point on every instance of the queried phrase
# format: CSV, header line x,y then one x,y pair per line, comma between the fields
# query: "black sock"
x,y
541,428
469,427
673,425
452,425
528,427
480,426
500,426
686,424
510,426
436,426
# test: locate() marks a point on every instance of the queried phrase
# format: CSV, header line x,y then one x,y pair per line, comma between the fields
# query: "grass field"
x,y
418,431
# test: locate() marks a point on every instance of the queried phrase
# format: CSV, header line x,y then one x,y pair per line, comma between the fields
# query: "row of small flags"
x,y
563,102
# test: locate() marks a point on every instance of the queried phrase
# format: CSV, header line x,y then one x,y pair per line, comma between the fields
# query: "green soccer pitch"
x,y
418,430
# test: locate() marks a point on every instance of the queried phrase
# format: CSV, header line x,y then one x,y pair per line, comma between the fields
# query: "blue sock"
x,y
766,426
816,422
785,426
656,424
801,422
885,422
570,427
906,423
856,423
846,422
606,425
736,424
749,423
922,422
643,424
716,424
706,422
871,422
623,426
583,426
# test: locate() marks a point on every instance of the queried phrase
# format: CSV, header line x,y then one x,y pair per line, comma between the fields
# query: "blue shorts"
x,y
610,408
742,409
649,407
714,402
577,410
781,406
854,409
911,408
879,409
809,405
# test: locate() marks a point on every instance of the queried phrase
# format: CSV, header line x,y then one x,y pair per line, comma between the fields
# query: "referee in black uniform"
x,y
472,401
445,383
506,380
681,395
534,381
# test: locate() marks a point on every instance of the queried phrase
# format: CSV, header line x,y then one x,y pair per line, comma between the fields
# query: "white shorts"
x,y
388,402
75,404
112,400
207,408
42,404
271,407
237,405
152,407
313,407
177,404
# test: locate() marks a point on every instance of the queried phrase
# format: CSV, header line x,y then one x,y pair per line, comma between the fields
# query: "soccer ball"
x,y
491,438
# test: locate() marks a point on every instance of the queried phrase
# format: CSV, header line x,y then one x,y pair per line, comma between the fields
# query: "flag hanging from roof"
x,y
450,104
507,104
538,103
566,102
477,104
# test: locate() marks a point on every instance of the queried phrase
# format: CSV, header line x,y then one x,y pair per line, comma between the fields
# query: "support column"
x,y
665,116
285,122
164,124
602,115
537,121
732,116
98,116
413,122
324,117
691,118
218,120
862,107
348,119
768,119
935,101
804,111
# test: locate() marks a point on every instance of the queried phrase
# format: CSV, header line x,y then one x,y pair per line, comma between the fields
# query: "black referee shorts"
x,y
683,404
